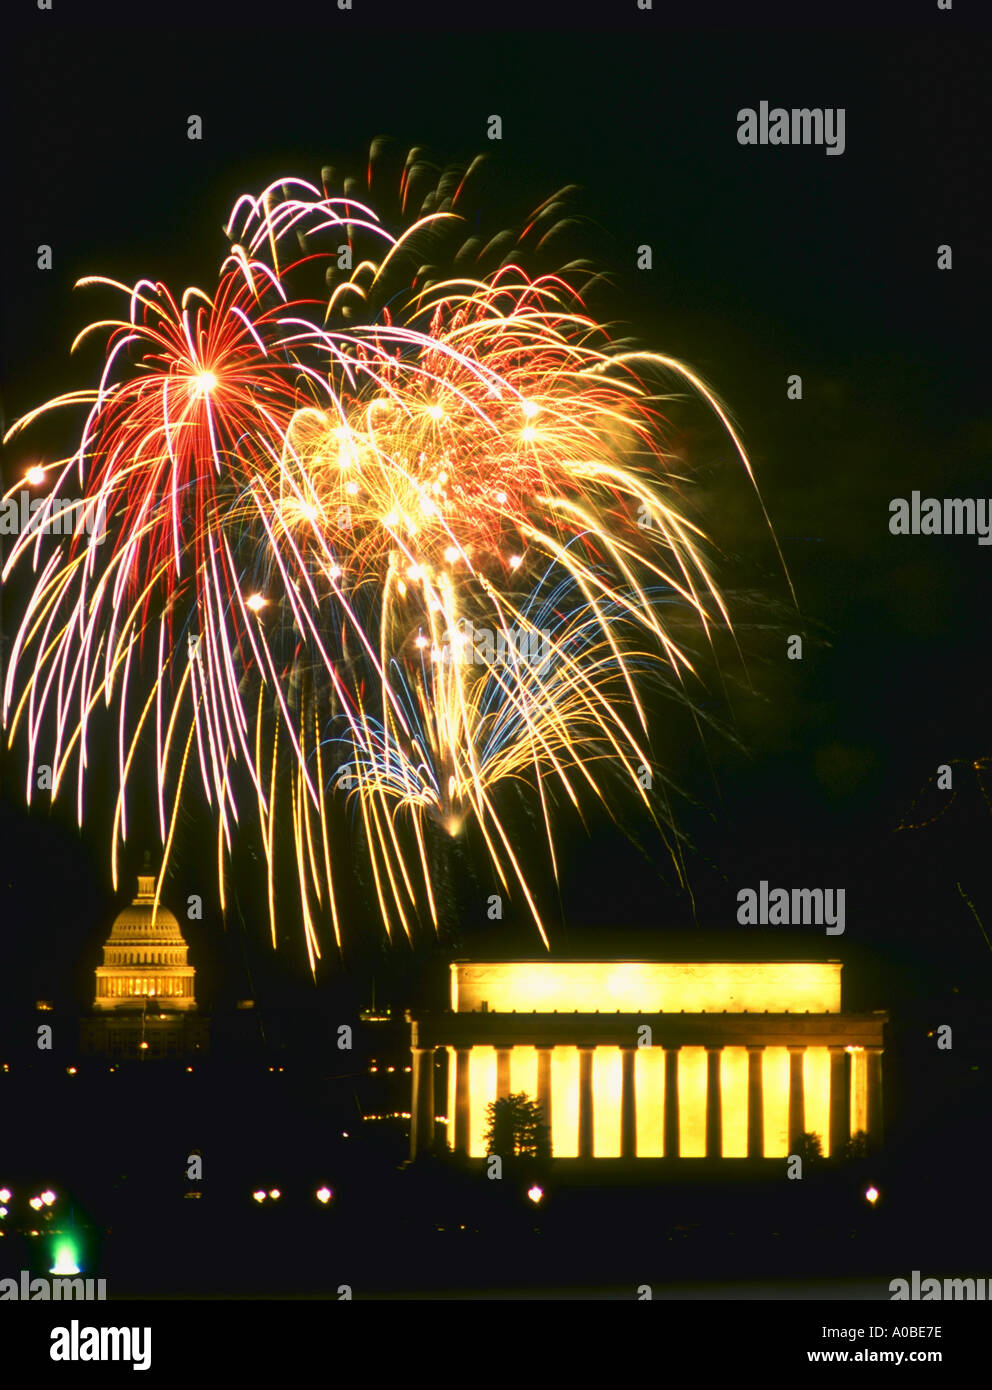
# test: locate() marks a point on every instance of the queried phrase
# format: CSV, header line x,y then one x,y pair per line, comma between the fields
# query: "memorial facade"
x,y
639,1059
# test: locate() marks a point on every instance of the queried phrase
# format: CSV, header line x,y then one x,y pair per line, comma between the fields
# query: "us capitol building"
x,y
145,1005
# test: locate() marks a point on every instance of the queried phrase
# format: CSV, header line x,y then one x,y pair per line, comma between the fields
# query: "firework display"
x,y
401,544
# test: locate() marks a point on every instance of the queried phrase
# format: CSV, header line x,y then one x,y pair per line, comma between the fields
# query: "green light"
x,y
65,1258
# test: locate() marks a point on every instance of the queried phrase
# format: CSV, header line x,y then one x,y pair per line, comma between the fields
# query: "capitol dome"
x,y
144,958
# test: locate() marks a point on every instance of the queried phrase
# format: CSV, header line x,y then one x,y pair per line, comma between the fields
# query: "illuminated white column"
x,y
755,1102
422,1106
671,1102
797,1095
874,1055
714,1116
628,1106
585,1102
502,1072
840,1101
462,1110
544,1085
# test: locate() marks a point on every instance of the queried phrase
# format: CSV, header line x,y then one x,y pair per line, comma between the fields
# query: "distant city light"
x,y
871,1195
36,1204
324,1195
535,1194
260,1196
275,1194
35,475
48,1197
5,1194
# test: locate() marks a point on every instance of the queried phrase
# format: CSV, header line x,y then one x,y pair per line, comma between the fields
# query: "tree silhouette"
x,y
516,1128
857,1146
809,1148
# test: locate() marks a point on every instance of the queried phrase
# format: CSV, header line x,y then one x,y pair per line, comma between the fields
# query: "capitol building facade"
x,y
145,1004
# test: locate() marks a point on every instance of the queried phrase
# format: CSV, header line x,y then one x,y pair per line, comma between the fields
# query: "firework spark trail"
x,y
303,520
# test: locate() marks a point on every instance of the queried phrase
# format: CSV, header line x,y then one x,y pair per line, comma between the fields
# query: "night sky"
x,y
766,262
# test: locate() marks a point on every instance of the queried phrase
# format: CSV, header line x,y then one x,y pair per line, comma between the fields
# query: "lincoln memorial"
x,y
635,1059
